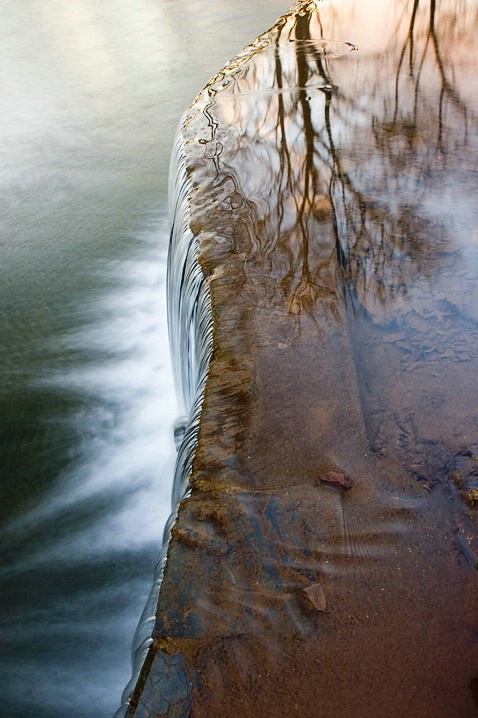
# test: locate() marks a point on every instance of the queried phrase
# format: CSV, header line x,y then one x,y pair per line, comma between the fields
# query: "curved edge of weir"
x,y
321,523
190,325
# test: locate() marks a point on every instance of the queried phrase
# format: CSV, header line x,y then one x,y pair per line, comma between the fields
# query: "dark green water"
x,y
91,96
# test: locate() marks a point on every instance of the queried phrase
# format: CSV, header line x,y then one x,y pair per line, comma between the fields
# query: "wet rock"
x,y
336,477
316,596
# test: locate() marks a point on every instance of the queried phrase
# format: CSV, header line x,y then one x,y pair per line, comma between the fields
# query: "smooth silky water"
x,y
91,97
330,189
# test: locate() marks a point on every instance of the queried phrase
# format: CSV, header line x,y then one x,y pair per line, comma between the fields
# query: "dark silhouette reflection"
x,y
310,146
412,150
273,155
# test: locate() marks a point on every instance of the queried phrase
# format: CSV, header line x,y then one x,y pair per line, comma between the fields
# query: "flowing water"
x,y
91,97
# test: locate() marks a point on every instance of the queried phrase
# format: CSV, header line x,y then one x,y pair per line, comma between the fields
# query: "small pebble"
x,y
336,477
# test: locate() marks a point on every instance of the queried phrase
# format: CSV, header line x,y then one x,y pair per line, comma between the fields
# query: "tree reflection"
x,y
414,143
334,160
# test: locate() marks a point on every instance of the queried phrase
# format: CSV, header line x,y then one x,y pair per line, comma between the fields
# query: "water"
x,y
91,96
331,527
78,559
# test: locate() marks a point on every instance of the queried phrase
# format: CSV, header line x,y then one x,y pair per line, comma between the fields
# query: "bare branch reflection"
x,y
333,177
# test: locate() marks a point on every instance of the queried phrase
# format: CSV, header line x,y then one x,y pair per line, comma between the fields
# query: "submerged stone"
x,y
324,243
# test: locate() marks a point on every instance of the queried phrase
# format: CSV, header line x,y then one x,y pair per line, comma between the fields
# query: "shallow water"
x,y
331,527
91,96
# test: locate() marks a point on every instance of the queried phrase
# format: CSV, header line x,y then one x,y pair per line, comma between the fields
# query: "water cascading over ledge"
x,y
323,322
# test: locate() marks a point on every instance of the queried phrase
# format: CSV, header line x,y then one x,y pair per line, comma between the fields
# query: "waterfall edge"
x,y
190,329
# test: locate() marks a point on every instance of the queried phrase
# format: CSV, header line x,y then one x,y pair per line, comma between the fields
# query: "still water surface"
x,y
91,97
